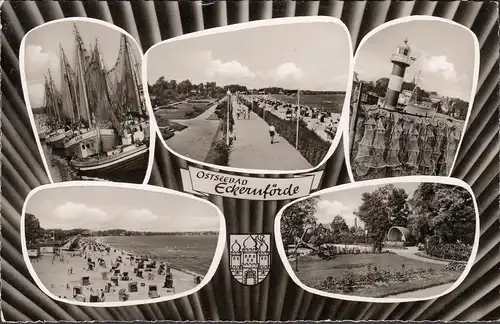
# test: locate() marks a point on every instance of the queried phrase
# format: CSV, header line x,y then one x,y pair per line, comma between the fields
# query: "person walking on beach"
x,y
272,132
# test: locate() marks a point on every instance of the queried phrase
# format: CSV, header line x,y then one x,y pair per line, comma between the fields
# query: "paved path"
x,y
410,253
424,293
253,149
207,113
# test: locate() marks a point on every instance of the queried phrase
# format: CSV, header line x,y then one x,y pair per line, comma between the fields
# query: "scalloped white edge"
x,y
475,77
344,118
221,244
24,83
384,181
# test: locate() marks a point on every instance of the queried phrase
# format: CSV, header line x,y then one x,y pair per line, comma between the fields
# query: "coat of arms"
x,y
250,257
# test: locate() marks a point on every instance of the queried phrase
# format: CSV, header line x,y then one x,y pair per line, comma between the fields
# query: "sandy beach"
x,y
96,272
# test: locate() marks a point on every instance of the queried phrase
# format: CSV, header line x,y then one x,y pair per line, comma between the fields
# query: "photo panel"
x,y
83,90
392,240
262,97
101,244
414,83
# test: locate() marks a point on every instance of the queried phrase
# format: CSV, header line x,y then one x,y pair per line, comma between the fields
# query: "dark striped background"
x,y
277,298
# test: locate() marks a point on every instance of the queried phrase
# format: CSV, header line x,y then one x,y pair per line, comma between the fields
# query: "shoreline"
x,y
102,240
97,272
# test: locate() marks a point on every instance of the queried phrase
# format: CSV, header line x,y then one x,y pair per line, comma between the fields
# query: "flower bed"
x,y
457,252
350,281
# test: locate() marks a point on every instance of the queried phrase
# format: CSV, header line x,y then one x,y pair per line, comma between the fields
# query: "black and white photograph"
x,y
255,97
103,244
401,240
412,93
84,90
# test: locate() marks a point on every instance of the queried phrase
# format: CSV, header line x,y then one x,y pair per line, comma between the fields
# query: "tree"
x,y
32,229
338,225
443,210
296,218
398,207
376,211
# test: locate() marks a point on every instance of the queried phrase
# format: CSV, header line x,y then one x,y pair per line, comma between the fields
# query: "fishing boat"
x,y
118,137
83,98
55,131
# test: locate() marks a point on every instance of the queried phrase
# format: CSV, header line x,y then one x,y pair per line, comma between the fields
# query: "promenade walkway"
x,y
252,148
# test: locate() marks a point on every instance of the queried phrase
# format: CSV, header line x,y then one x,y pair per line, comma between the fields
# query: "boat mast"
x,y
128,61
81,73
53,98
114,120
416,79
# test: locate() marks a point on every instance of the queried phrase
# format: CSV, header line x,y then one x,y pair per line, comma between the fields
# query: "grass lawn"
x,y
328,102
183,110
313,271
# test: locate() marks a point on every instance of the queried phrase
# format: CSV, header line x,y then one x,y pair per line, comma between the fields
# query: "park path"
x,y
252,148
207,113
423,293
410,254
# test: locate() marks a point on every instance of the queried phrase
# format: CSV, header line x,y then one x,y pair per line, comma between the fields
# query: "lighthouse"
x,y
401,60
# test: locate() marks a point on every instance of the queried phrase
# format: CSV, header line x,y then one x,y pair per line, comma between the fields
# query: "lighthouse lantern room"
x,y
401,60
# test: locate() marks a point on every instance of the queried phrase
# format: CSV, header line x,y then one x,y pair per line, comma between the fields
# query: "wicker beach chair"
x,y
94,297
153,291
125,276
114,280
77,290
133,287
85,281
122,295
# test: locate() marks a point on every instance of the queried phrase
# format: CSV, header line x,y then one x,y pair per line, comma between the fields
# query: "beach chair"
x,y
77,290
105,275
122,295
151,276
139,274
117,272
132,287
153,291
90,266
125,276
94,298
135,270
169,283
197,280
85,281
80,298
114,280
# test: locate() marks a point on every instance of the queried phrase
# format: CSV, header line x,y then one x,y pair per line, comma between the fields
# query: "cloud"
x,y
286,71
440,64
36,93
327,210
231,69
74,215
36,61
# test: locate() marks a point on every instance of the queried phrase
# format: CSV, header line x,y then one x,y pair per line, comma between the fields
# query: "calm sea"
x,y
191,252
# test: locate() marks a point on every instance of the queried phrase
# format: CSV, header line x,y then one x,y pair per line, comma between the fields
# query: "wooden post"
x,y
354,118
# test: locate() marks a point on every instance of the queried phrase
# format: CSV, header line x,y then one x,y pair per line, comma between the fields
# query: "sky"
x,y
100,208
444,52
309,56
345,202
42,52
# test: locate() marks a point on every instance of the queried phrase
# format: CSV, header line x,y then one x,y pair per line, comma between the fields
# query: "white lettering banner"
x,y
205,182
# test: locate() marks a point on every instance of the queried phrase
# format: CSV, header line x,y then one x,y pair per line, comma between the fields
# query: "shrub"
x,y
223,150
457,252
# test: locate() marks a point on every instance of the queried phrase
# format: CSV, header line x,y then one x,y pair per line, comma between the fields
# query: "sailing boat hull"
x,y
136,159
56,141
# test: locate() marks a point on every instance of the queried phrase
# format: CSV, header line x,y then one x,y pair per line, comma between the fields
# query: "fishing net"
x,y
363,157
413,150
394,148
377,161
451,147
428,139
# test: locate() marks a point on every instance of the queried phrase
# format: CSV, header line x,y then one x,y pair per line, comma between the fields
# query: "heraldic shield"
x,y
250,257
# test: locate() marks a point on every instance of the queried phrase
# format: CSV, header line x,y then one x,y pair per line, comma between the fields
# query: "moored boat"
x,y
122,159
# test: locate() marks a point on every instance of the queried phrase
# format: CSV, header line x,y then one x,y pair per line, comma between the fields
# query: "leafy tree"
x,y
376,211
398,207
296,218
33,230
443,210
338,225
